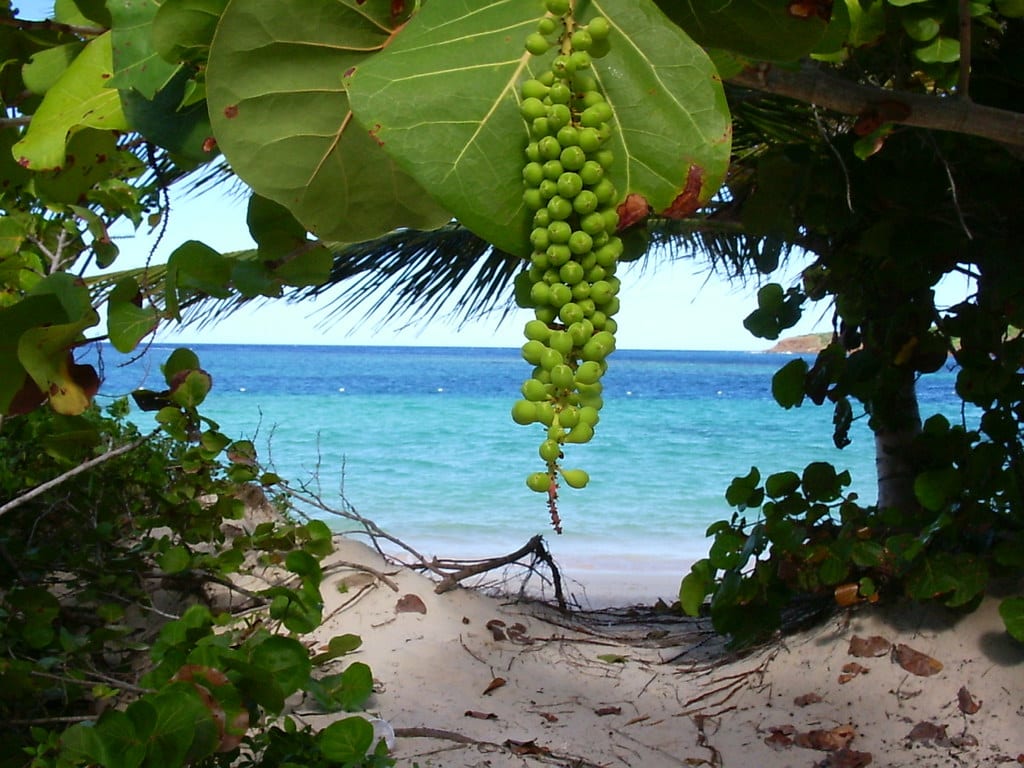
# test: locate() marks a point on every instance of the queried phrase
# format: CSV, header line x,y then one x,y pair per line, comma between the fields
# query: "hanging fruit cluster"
x,y
570,283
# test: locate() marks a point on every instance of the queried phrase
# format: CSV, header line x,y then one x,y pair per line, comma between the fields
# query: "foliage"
x,y
355,119
89,572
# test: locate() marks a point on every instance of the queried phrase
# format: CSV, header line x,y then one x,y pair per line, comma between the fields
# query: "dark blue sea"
x,y
420,440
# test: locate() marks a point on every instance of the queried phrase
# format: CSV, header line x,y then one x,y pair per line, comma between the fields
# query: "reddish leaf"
x,y
632,210
526,747
494,685
517,634
827,741
925,731
807,699
781,737
968,705
602,711
549,717
866,647
480,715
846,758
410,604
851,670
915,662
497,627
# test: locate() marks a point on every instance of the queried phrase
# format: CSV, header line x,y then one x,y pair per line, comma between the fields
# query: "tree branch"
x,y
14,122
17,501
50,24
814,85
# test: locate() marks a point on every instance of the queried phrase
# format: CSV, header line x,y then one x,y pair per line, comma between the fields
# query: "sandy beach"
x,y
466,679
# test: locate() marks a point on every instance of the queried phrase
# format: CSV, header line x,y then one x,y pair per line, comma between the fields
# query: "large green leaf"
x,y
281,115
772,30
137,65
79,99
443,101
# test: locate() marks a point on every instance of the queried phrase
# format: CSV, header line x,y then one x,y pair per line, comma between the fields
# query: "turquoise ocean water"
x,y
420,440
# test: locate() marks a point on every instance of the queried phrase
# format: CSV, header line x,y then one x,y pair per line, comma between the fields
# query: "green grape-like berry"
x,y
569,281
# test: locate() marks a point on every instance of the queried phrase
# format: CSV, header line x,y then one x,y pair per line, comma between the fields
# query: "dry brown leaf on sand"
x,y
851,670
494,685
926,731
780,736
604,711
526,747
476,715
410,604
967,703
867,647
497,627
915,662
845,758
807,699
826,740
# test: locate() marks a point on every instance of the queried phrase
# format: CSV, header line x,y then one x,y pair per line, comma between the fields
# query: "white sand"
x,y
670,697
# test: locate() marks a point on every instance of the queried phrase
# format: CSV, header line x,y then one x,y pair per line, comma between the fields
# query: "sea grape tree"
x,y
883,138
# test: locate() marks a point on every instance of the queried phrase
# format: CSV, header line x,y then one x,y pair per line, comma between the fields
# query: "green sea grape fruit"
x,y
575,248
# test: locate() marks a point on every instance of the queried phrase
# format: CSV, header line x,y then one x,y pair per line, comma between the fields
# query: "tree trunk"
x,y
895,429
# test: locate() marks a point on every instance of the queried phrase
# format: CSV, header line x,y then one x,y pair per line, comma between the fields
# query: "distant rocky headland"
x,y
809,343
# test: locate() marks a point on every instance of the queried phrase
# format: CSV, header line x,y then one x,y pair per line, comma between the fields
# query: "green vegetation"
x,y
877,140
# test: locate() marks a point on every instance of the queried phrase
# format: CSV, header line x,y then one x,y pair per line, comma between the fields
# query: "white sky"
x,y
667,305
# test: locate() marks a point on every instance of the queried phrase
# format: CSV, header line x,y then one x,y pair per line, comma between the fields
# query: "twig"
x,y
964,84
814,85
17,501
537,751
104,679
50,24
338,564
14,122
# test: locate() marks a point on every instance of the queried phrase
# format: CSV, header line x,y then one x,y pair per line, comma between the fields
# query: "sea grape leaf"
x,y
127,321
92,157
45,67
346,741
79,99
281,116
286,659
674,130
771,30
788,383
183,130
183,29
1011,610
137,65
82,13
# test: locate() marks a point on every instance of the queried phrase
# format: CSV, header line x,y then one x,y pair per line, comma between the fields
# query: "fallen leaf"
x,y
602,711
517,634
847,594
497,627
613,658
925,731
480,715
781,737
549,717
851,670
846,758
410,604
915,662
826,741
964,741
807,699
494,685
866,647
526,747
967,703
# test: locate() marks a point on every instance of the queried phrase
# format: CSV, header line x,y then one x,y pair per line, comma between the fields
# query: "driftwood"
x,y
464,570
